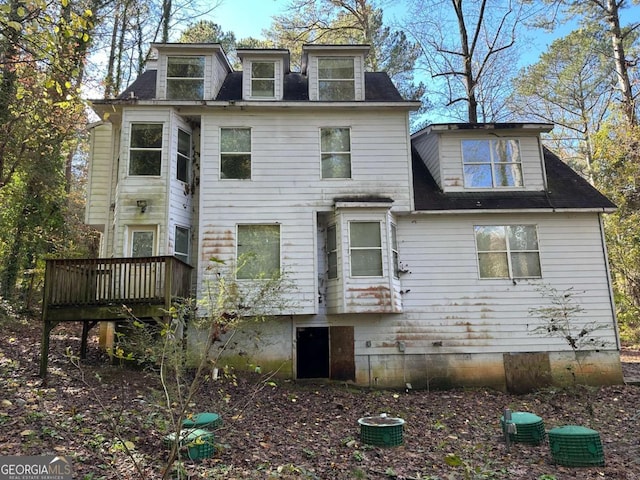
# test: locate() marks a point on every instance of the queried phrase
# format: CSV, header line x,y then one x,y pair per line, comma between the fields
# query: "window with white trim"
x,y
185,78
263,79
394,251
145,149
336,79
182,243
258,251
508,251
365,249
235,153
494,163
332,252
183,156
335,152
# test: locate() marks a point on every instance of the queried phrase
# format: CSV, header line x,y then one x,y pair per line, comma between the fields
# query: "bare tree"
x,y
466,43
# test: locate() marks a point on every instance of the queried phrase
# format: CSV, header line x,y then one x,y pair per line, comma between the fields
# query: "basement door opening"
x,y
325,352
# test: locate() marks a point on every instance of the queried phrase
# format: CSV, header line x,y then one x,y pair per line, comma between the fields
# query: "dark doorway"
x,y
325,352
312,352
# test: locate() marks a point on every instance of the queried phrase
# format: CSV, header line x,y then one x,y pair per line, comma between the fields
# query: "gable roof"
x,y
566,190
378,88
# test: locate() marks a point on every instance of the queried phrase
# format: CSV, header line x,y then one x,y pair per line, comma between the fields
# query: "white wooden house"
x,y
416,258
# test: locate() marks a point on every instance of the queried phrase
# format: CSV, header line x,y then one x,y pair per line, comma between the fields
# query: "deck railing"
x,y
104,281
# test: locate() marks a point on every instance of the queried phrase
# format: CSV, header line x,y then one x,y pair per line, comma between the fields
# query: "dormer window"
x,y
336,78
492,163
263,79
185,78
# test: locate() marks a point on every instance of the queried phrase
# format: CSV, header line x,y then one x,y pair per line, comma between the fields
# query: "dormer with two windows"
x,y
490,157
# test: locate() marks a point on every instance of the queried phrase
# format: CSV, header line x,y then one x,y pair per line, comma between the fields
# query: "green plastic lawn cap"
x,y
202,420
572,430
523,418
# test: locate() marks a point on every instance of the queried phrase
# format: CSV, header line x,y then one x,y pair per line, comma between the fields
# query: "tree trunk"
x,y
612,18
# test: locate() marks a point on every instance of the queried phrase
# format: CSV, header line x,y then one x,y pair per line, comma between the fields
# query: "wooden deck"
x,y
107,289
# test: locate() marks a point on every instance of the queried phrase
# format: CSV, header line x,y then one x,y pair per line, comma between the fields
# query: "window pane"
x,y
263,88
526,265
332,254
185,67
258,251
182,241
235,140
335,68
476,151
366,263
490,238
523,237
142,244
506,150
478,176
337,90
493,265
235,166
336,166
508,174
145,162
185,89
365,234
263,70
335,140
184,143
146,135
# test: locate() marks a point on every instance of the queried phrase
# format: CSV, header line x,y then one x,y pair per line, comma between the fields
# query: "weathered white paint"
x,y
286,187
442,154
427,147
99,173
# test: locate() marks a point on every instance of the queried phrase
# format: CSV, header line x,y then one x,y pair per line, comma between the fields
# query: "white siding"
x,y
428,148
100,170
286,187
452,179
449,309
153,189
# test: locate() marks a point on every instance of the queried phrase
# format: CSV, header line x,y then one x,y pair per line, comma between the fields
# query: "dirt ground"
x,y
274,428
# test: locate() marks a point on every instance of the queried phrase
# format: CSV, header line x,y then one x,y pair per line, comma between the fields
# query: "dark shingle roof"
x,y
143,88
566,189
378,88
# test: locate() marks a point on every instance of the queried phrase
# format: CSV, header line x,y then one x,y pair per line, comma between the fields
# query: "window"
x,y
263,79
335,151
365,249
145,149
235,153
492,163
142,243
182,242
508,251
258,251
183,157
185,78
394,251
332,252
336,79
